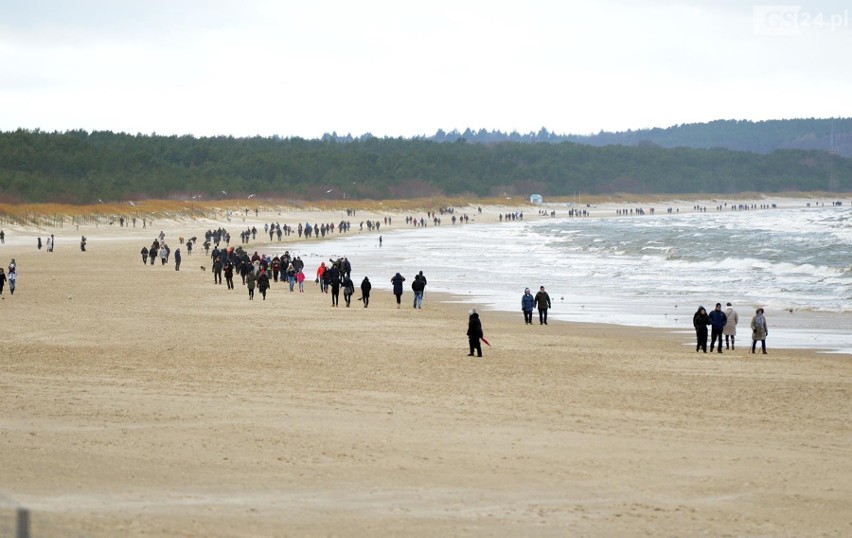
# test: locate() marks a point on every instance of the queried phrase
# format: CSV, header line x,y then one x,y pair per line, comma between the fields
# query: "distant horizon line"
x,y
369,134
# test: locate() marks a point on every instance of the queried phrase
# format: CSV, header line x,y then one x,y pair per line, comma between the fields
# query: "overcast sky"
x,y
399,68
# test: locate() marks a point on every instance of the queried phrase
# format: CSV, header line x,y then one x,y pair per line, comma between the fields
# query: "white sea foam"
x,y
644,270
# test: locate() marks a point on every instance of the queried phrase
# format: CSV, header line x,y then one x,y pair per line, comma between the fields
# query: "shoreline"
x,y
144,401
115,234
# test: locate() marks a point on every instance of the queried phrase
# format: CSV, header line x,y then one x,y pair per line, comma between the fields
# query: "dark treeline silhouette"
x,y
833,134
82,167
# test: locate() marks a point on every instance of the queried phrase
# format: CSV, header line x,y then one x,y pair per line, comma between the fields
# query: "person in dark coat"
x,y
397,281
474,333
333,276
263,283
229,275
423,279
417,287
717,324
217,271
144,253
365,291
700,321
177,259
527,305
542,299
348,289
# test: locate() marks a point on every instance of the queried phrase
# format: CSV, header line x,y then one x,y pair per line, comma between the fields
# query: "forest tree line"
x,y
83,167
832,134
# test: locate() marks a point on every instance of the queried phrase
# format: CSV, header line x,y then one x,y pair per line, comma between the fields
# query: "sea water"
x,y
640,270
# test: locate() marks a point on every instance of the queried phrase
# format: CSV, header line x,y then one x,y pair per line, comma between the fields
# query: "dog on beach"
x,y
203,268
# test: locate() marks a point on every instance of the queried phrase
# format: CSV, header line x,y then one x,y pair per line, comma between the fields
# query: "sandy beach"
x,y
141,401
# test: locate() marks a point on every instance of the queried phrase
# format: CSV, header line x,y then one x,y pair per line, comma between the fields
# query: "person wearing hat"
x,y
759,330
474,333
527,305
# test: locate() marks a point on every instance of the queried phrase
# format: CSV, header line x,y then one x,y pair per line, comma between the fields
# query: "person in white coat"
x,y
730,329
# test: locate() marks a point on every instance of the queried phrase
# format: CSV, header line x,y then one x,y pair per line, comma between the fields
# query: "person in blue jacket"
x,y
717,326
528,305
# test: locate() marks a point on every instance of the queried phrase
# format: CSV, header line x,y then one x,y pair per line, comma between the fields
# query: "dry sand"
x,y
140,401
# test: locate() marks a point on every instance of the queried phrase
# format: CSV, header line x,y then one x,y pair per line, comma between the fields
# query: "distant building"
x,y
536,199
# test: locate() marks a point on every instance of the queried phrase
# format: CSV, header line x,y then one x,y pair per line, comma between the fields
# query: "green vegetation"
x,y
82,167
833,134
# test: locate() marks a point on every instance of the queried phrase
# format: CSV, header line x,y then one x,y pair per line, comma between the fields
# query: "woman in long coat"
x,y
397,281
700,321
730,329
251,281
759,331
263,283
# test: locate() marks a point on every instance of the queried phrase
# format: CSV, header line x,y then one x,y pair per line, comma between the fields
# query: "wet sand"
x,y
141,401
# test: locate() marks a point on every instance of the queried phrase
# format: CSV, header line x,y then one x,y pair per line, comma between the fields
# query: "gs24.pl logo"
x,y
792,20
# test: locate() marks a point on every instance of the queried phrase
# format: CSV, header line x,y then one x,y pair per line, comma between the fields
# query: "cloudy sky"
x,y
398,68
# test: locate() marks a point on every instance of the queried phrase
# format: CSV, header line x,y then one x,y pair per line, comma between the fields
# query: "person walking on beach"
x,y
50,243
730,329
332,275
397,281
300,278
2,280
474,333
251,282
38,242
144,253
217,270
423,280
13,276
291,276
366,286
700,321
417,287
177,259
542,299
527,306
321,277
348,289
759,330
717,324
263,283
229,275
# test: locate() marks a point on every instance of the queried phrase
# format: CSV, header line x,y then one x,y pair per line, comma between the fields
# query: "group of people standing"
x,y
724,323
